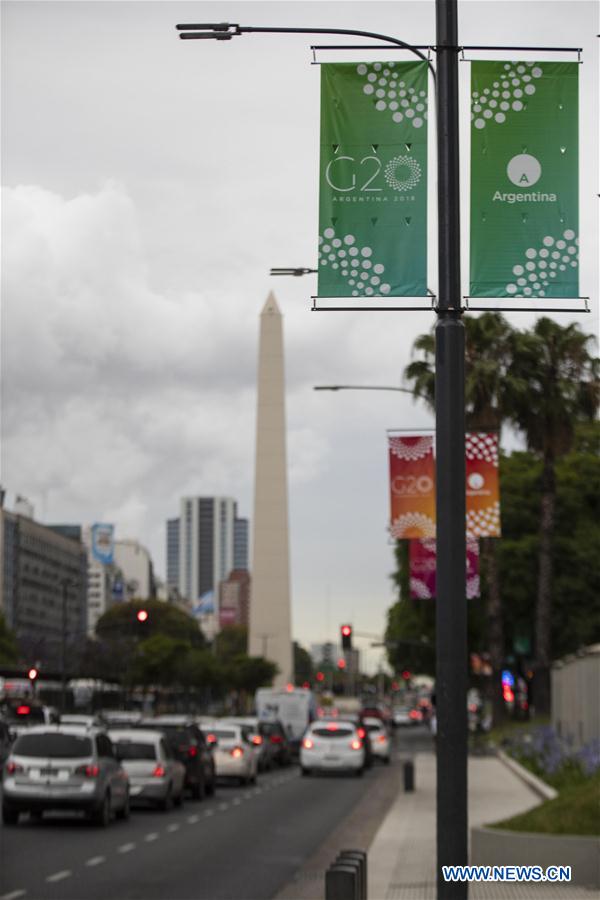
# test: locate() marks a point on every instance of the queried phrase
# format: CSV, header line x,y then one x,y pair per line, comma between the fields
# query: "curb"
x,y
536,784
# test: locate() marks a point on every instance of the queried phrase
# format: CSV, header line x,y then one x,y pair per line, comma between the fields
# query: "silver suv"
x,y
64,767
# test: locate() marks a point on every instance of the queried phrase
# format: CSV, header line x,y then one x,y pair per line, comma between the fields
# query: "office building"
x,y
173,553
135,566
44,590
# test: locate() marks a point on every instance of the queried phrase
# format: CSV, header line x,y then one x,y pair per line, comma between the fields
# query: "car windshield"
x,y
135,750
222,735
53,745
269,728
374,728
333,732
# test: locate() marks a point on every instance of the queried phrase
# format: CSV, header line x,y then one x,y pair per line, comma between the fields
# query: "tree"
x,y
563,388
9,653
303,664
231,641
120,623
490,388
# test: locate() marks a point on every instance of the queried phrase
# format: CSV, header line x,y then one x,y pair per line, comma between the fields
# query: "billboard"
x,y
483,489
103,543
373,180
524,180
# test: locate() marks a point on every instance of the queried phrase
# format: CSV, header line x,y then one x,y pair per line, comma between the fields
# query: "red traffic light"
x,y
32,674
142,615
341,663
346,630
320,676
406,675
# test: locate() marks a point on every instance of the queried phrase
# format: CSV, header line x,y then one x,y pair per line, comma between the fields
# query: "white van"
x,y
295,709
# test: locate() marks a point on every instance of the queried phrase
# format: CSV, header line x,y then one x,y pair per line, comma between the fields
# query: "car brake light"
x,y
414,714
355,744
237,752
361,733
382,739
159,772
257,740
23,710
88,771
308,744
332,726
276,739
211,739
192,751
13,767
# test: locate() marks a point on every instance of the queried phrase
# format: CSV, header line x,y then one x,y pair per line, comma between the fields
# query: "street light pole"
x,y
451,610
63,647
451,675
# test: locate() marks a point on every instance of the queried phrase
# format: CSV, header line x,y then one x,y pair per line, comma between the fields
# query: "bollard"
x,y
341,882
361,857
409,775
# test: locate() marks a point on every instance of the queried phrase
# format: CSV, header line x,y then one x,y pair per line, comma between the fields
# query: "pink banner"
x,y
422,556
412,487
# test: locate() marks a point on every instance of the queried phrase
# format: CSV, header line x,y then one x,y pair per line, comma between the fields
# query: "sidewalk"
x,y
402,856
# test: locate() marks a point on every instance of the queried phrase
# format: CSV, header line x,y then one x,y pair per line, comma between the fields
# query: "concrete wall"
x,y
576,696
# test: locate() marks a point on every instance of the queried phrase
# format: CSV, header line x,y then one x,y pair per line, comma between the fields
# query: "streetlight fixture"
x,y
296,272
362,387
452,832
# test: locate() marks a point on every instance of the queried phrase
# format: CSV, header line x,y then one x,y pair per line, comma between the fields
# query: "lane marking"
x,y
151,836
95,860
125,848
13,895
193,819
59,876
174,826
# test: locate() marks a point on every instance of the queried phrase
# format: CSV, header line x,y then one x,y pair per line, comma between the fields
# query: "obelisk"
x,y
270,615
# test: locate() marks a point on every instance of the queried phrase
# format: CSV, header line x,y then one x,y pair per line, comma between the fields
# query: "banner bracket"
x,y
549,309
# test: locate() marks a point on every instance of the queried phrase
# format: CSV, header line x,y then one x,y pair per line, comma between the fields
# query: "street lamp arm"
x,y
362,387
224,31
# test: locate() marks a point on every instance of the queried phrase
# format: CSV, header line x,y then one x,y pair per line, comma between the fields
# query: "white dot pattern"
x,y
411,522
484,522
541,270
411,450
346,259
479,445
385,84
518,83
406,181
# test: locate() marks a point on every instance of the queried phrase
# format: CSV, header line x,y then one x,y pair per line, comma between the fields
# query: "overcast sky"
x,y
148,186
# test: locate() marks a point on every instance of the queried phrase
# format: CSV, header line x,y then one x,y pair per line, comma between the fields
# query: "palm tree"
x,y
562,388
490,385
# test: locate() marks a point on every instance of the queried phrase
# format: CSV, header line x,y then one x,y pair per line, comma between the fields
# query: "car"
x,y
6,740
79,719
155,776
265,750
378,738
120,718
189,747
234,756
22,714
273,733
403,716
333,745
357,720
69,767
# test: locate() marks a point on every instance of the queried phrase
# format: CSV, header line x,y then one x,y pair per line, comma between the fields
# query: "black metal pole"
x,y
451,619
63,649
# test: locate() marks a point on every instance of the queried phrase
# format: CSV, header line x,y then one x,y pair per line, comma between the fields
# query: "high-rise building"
x,y
135,565
173,553
240,544
205,544
44,589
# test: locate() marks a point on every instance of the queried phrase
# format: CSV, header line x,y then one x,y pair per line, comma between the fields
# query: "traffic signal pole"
x,y
451,609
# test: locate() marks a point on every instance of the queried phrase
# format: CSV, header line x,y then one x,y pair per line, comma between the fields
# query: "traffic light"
x,y
320,676
341,663
142,615
32,674
406,675
346,632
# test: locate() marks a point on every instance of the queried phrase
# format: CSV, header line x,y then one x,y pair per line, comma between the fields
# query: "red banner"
x,y
483,491
412,487
422,556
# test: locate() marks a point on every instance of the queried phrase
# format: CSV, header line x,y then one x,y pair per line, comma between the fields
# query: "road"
x,y
246,842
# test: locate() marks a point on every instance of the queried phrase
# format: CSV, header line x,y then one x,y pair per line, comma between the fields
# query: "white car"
x,y
234,756
332,746
378,738
251,732
155,776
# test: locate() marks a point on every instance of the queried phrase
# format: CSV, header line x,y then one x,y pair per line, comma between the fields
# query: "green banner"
x,y
524,180
373,180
